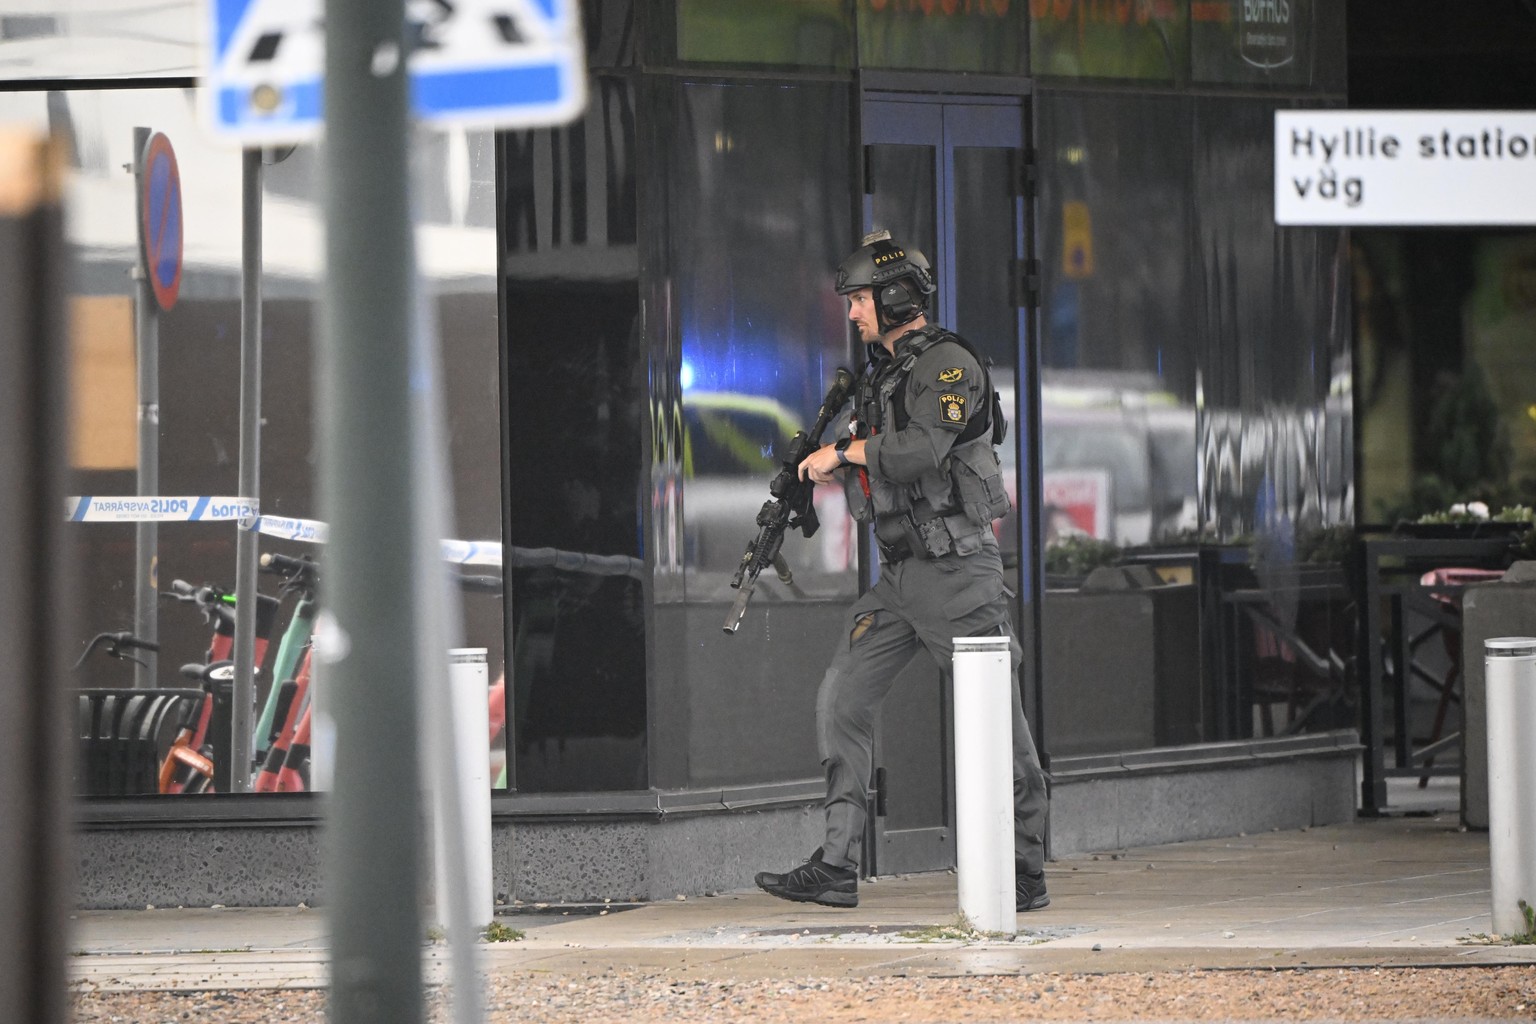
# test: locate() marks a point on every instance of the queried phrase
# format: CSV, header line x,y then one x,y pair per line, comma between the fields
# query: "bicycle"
x,y
300,576
285,763
189,765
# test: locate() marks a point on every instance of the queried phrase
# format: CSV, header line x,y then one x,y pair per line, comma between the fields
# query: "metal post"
x,y
243,710
984,783
1510,667
146,538
36,570
366,648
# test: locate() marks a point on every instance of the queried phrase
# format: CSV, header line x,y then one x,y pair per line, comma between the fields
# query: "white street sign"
x,y
486,63
1422,167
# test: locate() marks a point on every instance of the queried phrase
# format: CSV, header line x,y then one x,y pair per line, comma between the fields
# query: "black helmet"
x,y
898,275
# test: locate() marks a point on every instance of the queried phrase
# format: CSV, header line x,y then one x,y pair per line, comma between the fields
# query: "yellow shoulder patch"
x,y
951,375
952,408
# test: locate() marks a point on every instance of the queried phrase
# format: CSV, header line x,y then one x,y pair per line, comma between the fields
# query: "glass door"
x,y
945,174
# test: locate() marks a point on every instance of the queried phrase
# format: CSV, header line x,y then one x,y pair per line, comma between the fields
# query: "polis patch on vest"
x,y
952,408
951,375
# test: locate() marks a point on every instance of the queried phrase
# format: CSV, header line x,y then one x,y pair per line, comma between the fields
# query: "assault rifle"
x,y
790,507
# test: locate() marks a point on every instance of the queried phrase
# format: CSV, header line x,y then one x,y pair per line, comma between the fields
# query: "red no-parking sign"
x,y
160,226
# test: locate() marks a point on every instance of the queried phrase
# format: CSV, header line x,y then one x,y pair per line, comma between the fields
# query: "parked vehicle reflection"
x,y
1119,465
732,444
1118,458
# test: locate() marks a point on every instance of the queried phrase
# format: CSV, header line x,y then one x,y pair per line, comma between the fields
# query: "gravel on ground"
x,y
1320,994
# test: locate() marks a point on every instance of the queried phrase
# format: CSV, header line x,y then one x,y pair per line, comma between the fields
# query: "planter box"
x,y
1122,669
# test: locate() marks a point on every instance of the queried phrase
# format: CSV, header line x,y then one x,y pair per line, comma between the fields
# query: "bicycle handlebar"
x,y
274,562
296,572
115,642
305,572
215,604
129,640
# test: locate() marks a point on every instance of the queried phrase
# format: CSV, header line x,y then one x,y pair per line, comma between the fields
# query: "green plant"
x,y
1529,938
498,932
1326,544
1475,513
958,930
1468,512
961,930
1079,555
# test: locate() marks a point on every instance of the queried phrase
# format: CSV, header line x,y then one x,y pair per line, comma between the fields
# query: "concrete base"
x,y
197,865
579,862
658,846
1203,792
203,864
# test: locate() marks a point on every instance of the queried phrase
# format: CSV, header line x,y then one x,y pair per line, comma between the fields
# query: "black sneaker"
x,y
1029,890
813,882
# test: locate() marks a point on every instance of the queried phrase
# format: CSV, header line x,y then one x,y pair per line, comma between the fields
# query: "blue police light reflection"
x,y
749,366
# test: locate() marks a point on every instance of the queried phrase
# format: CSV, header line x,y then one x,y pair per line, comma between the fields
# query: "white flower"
x,y
1478,509
1459,509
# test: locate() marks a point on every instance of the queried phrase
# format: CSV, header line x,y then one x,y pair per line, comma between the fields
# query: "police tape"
x,y
210,509
312,531
190,509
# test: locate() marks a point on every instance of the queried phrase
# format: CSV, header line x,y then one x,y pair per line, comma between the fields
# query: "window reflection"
x,y
199,384
1195,434
748,334
806,33
761,329
982,35
574,381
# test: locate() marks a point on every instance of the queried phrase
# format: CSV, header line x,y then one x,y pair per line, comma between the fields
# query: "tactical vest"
x,y
975,494
893,389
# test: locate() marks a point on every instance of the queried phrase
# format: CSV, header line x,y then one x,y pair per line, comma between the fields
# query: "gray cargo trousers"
x,y
916,603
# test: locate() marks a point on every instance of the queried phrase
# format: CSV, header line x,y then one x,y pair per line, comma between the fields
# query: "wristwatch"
x,y
842,450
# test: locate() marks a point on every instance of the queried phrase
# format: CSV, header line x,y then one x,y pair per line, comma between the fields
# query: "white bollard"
x,y
468,704
1510,665
984,783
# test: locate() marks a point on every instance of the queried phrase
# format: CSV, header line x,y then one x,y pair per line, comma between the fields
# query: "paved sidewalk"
x,y
1410,891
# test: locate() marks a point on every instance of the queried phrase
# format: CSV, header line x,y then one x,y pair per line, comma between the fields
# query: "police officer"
x,y
918,461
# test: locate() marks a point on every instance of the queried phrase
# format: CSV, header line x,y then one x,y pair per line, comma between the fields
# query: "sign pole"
x,y
146,540
243,710
366,644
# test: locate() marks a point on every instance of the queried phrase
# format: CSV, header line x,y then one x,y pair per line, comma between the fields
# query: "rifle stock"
x,y
791,507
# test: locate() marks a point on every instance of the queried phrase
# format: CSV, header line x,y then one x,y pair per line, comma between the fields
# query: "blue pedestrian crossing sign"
x,y
482,63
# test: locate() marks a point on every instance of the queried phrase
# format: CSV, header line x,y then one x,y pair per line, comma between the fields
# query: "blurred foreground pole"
x,y
366,643
243,703
37,754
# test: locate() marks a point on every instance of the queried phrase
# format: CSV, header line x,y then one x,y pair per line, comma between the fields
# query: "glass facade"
x,y
575,389
791,33
199,359
756,211
1196,424
950,35
637,315
1146,41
